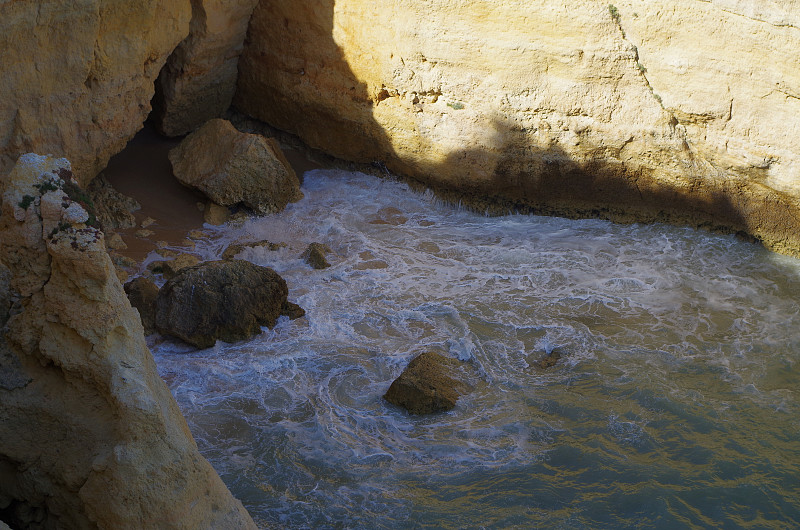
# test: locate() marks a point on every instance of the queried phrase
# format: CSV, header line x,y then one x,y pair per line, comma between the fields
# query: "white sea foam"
x,y
657,327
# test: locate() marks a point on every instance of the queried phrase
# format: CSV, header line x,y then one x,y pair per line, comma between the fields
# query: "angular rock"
x,y
90,436
231,167
425,387
315,255
215,215
142,294
232,250
113,209
292,310
171,267
226,300
199,79
549,360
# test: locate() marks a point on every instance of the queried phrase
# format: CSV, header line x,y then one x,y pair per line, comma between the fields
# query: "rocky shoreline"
x,y
575,110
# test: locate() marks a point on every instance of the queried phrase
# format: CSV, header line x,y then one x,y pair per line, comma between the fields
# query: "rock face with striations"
x,y
90,436
228,300
682,111
199,79
232,167
77,77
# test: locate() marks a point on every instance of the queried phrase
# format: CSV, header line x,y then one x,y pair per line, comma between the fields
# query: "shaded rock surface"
x,y
231,167
171,267
199,79
425,386
226,300
237,248
113,209
142,293
654,110
315,255
90,436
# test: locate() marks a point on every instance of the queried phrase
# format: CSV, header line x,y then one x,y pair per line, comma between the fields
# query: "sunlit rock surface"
x,y
678,111
90,436
77,77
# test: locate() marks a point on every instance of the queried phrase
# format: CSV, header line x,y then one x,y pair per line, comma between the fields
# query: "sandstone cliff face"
x,y
680,111
77,77
89,434
199,79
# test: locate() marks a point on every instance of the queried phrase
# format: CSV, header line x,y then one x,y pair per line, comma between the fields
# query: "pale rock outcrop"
x,y
232,167
199,79
90,436
77,77
683,111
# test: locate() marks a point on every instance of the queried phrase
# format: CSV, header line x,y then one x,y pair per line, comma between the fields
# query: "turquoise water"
x,y
675,403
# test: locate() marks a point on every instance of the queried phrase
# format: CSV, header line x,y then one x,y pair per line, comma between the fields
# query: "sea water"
x,y
674,404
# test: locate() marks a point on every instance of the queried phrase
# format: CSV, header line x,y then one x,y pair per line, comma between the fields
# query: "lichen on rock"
x,y
76,369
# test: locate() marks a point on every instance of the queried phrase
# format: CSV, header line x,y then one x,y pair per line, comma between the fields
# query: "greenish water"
x,y
674,405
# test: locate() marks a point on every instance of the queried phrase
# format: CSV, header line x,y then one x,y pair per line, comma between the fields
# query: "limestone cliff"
x,y
90,436
76,78
199,79
684,111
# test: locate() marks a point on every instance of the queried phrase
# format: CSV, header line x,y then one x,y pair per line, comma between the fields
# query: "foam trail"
x,y
677,346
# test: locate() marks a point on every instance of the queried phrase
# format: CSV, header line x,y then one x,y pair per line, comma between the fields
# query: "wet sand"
x,y
142,170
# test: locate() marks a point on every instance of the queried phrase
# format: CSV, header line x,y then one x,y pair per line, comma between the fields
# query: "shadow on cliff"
x,y
517,176
294,76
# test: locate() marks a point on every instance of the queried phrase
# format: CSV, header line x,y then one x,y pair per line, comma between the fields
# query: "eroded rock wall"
x,y
90,436
76,78
199,79
677,111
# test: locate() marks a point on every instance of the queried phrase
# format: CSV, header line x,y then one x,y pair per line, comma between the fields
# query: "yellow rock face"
x,y
679,111
76,78
90,435
200,77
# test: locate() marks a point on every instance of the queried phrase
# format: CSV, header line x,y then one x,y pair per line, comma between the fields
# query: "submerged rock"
x,y
226,300
232,250
315,255
549,360
231,167
425,387
142,294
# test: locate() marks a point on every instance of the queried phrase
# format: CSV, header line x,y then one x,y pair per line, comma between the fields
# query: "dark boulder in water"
x,y
315,255
549,360
424,386
226,300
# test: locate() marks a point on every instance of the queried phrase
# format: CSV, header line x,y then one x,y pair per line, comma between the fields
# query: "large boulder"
x,y
232,167
228,300
77,78
425,386
90,436
199,79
